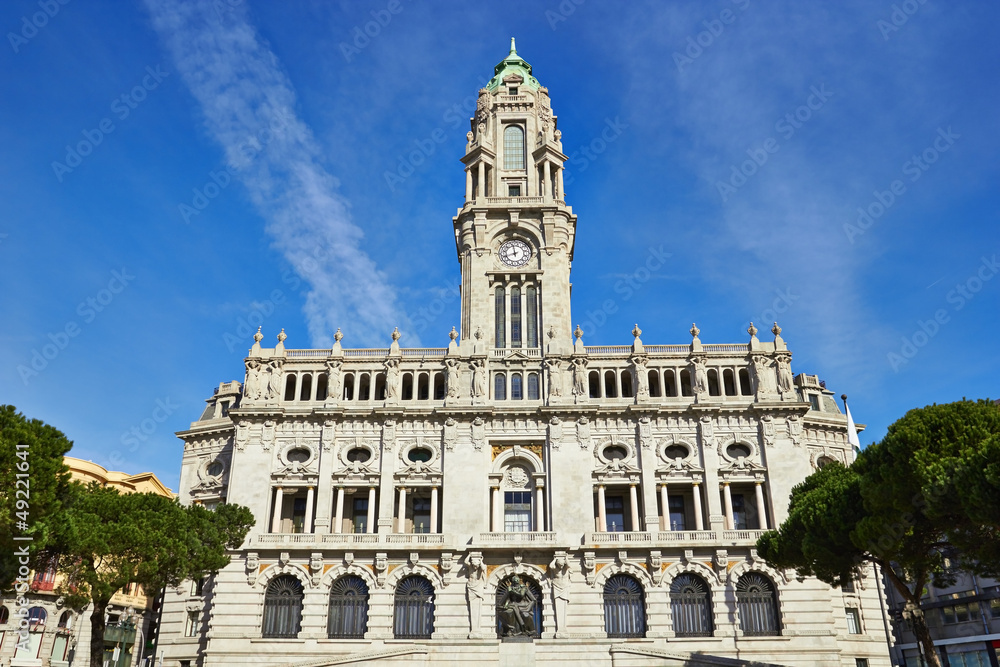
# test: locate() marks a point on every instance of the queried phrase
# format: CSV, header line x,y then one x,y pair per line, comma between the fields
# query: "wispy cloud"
x,y
248,105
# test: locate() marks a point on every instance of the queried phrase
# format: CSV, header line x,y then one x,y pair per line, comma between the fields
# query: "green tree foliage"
x,y
930,486
32,472
107,540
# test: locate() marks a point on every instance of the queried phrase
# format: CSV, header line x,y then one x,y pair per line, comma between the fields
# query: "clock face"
x,y
515,253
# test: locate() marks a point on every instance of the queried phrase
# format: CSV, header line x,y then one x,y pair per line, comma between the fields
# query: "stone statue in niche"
x,y
786,384
252,388
333,379
559,574
274,380
762,376
553,366
700,376
580,388
479,378
475,591
517,609
392,380
453,376
641,377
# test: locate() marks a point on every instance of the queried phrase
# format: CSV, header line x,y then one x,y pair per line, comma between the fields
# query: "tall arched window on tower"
x,y
513,147
515,317
501,318
531,294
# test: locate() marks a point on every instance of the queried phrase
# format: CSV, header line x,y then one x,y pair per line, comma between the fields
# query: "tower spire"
x,y
513,50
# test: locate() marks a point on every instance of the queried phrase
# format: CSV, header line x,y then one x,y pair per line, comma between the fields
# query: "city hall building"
x,y
517,497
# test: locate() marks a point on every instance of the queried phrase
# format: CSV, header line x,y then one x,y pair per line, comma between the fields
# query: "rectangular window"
x,y
995,607
848,586
513,190
191,627
532,315
861,662
513,147
421,515
500,313
517,512
360,519
676,513
198,587
513,90
853,621
814,401
298,515
947,615
515,317
614,512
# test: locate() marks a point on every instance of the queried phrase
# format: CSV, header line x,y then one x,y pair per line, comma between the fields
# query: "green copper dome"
x,y
512,64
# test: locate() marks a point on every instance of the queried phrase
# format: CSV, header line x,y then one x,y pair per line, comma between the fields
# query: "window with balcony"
x,y
500,315
517,512
515,317
515,387
421,514
359,517
677,513
531,298
614,511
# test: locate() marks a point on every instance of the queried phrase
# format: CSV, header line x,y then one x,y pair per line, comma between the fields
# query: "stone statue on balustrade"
x,y
274,381
333,379
479,379
580,388
392,380
252,388
453,376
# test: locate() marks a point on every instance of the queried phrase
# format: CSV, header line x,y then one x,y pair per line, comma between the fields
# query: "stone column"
x,y
602,518
539,507
308,528
559,185
468,185
633,499
371,509
696,493
665,502
728,500
338,516
495,511
434,509
546,187
762,521
401,514
481,193
276,517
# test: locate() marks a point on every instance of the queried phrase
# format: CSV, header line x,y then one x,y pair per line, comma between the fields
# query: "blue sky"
x,y
176,172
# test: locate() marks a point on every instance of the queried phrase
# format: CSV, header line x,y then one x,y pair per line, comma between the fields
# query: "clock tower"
x,y
515,233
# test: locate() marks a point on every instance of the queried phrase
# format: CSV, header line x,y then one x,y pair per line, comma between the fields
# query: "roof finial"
x,y
513,51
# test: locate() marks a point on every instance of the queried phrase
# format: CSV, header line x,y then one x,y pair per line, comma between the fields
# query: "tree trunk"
x,y
924,636
97,626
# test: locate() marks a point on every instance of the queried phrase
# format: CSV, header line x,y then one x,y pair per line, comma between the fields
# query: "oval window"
x,y
615,453
298,455
675,452
359,454
419,455
737,451
215,469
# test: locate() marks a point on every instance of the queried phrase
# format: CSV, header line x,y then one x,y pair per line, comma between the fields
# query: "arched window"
x,y
729,380
686,389
348,614
627,384
407,391
423,386
413,616
321,387
500,313
531,296
500,387
624,607
438,386
757,603
653,378
713,382
519,607
290,387
610,385
66,620
36,618
594,380
669,386
745,388
691,606
4,615
283,607
380,386
305,393
349,386
364,387
513,147
533,387
515,387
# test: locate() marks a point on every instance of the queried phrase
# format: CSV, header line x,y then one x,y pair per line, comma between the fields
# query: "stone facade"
x,y
604,477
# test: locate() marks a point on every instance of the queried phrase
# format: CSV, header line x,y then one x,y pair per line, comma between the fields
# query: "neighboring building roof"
x,y
144,482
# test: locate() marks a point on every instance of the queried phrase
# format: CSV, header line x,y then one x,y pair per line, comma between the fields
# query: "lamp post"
x,y
138,628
